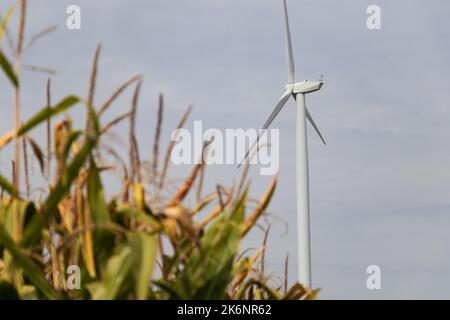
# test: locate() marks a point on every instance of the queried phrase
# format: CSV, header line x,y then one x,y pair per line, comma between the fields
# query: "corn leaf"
x,y
114,275
47,113
13,216
8,187
8,292
73,136
29,269
37,152
40,117
296,292
8,70
144,248
96,197
208,271
140,216
4,22
259,210
70,173
32,226
87,246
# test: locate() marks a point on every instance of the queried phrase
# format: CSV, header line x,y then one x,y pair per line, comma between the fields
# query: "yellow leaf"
x,y
5,20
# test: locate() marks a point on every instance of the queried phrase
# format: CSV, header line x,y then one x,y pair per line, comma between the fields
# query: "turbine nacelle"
x,y
306,87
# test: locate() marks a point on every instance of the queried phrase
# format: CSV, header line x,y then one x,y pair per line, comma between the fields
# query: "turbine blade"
x,y
311,120
247,154
269,121
289,52
277,109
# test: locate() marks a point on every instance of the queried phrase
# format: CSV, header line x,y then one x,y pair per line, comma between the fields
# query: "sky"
x,y
380,189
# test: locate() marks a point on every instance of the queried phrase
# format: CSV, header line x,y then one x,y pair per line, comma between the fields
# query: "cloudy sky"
x,y
380,190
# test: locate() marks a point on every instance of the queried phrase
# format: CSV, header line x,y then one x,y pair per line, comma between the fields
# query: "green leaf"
x,y
170,290
8,187
144,248
208,271
238,213
96,196
73,136
13,216
126,211
32,226
8,70
3,212
47,113
114,275
29,269
94,121
70,173
8,292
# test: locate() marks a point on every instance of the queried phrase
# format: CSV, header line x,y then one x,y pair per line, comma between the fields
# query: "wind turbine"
x,y
298,90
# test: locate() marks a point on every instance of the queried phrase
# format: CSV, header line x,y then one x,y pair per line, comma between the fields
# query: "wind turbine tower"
x,y
298,90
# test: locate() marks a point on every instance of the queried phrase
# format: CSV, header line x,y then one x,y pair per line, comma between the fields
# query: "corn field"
x,y
141,243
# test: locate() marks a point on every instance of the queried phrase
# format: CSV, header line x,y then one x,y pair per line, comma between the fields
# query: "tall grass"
x,y
141,243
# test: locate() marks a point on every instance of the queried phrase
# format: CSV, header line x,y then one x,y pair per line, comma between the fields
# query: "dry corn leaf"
x,y
260,208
